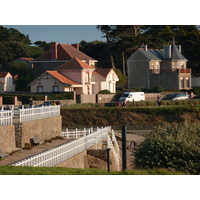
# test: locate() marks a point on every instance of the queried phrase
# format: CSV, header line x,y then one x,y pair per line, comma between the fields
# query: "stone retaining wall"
x,y
7,138
43,128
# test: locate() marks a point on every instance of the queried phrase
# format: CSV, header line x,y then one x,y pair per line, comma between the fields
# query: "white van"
x,y
129,96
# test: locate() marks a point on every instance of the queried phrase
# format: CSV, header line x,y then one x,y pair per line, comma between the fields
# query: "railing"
x,y
35,113
6,117
77,133
63,152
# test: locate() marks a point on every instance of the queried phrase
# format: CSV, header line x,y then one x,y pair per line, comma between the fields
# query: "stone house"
x,y
6,82
165,67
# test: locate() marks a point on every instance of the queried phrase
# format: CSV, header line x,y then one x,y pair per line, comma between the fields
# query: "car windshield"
x,y
125,95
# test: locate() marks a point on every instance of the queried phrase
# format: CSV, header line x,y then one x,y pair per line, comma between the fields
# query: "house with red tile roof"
x,y
25,60
6,82
75,75
57,55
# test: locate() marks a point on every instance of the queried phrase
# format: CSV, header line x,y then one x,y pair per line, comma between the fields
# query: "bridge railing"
x,y
35,113
61,153
6,117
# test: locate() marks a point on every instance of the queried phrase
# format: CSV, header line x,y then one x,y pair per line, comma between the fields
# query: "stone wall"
x,y
91,158
43,128
7,138
104,98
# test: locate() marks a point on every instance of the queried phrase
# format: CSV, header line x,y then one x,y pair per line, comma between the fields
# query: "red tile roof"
x,y
103,71
26,59
3,74
62,78
64,52
75,63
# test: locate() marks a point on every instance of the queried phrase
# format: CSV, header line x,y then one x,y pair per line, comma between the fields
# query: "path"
x,y
21,154
137,136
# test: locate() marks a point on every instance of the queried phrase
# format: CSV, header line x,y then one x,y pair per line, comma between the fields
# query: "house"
x,y
165,67
57,55
75,75
27,61
6,82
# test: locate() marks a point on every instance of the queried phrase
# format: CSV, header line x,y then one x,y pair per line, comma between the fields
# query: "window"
x,y
39,89
188,82
55,88
182,83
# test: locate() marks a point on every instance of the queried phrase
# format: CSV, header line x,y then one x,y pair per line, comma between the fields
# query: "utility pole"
x,y
124,157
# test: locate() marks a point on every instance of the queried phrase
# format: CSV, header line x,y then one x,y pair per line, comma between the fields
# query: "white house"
x,y
6,82
75,75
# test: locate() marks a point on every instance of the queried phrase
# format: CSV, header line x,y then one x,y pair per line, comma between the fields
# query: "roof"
x,y
2,82
3,74
103,71
26,59
75,63
62,78
176,55
64,52
158,54
150,54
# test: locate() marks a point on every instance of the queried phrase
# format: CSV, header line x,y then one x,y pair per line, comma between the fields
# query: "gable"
x,y
138,55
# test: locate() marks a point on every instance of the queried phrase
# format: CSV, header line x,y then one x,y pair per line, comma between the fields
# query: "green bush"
x,y
104,92
174,147
158,89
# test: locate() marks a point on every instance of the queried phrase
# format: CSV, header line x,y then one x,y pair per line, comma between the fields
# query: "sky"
x,y
64,34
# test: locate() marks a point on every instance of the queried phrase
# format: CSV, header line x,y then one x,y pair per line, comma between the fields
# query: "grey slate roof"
x,y
149,54
176,55
158,54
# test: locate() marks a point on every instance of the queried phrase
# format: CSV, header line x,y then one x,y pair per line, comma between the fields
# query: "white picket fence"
x,y
63,152
6,117
77,133
36,113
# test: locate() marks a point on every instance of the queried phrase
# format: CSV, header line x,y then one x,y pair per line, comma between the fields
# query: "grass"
x,y
11,170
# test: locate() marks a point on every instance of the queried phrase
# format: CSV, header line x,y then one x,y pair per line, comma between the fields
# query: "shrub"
x,y
104,92
158,89
174,147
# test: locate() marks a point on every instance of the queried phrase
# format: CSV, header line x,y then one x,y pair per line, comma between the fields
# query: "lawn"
x,y
11,170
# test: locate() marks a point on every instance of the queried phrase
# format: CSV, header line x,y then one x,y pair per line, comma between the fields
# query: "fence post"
x,y
67,133
76,132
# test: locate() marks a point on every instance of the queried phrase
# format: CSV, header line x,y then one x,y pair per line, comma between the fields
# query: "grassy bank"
x,y
11,170
137,118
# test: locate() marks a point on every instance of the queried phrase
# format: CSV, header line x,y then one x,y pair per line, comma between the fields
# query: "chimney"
x,y
53,50
143,46
167,51
76,46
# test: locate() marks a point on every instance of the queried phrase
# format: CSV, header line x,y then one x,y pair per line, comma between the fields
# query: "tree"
x,y
174,146
12,34
107,30
23,72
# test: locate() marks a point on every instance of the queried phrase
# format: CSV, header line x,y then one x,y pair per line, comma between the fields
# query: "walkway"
x,y
21,154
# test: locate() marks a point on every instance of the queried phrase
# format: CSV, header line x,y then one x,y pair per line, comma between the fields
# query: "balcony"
x,y
188,71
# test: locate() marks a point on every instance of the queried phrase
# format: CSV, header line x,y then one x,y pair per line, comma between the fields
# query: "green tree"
x,y
23,72
173,147
12,34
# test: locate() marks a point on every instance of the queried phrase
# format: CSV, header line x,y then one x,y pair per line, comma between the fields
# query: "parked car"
x,y
176,96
